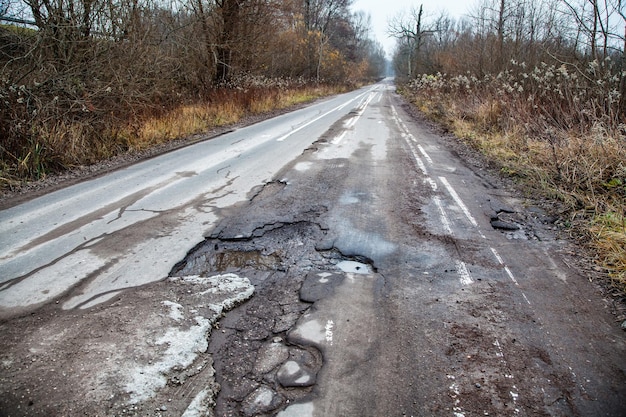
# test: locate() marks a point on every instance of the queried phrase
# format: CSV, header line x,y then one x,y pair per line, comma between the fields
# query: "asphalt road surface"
x,y
340,260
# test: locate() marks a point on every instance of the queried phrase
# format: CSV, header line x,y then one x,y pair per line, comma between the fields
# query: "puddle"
x,y
354,267
352,198
303,166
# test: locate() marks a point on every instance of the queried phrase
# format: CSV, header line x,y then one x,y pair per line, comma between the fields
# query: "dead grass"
x,y
228,107
609,232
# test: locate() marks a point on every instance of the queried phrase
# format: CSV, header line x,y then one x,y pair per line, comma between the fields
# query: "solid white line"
x,y
282,138
458,201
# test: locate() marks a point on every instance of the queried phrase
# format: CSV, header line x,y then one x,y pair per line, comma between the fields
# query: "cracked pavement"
x,y
372,272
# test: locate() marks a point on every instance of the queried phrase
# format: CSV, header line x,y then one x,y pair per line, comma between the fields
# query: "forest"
x,y
539,87
85,80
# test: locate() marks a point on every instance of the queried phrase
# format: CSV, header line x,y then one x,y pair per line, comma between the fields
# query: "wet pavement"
x,y
376,273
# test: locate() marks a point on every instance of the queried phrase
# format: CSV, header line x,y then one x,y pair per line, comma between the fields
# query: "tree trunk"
x,y
501,22
230,17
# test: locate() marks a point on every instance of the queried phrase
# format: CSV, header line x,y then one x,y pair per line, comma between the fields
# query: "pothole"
x,y
292,265
300,246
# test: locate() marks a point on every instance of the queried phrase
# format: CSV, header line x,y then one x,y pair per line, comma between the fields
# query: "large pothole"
x,y
287,247
260,369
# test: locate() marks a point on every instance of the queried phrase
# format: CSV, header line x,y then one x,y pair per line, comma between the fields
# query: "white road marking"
x,y
508,272
461,269
418,160
329,331
339,138
352,121
458,411
425,154
282,138
513,393
459,202
445,222
432,183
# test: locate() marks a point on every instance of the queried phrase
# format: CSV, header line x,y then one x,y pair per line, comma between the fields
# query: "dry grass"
x,y
228,107
609,232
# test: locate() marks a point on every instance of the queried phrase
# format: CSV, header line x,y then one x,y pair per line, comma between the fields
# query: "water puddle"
x,y
354,267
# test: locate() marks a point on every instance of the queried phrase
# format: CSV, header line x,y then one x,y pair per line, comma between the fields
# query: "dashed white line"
x,y
431,182
457,410
445,222
418,160
508,272
458,201
339,138
464,274
425,154
341,106
361,108
329,331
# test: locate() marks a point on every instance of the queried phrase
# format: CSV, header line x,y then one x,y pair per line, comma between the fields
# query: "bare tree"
x,y
596,19
411,29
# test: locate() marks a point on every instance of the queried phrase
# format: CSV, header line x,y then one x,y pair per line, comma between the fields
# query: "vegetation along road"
x,y
339,260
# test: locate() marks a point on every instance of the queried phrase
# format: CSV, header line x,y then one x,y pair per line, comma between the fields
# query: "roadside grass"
x,y
40,144
224,108
582,166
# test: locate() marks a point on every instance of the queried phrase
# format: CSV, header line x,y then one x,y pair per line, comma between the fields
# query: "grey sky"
x,y
382,10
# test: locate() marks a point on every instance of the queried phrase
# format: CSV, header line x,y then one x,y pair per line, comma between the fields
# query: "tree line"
x,y
496,32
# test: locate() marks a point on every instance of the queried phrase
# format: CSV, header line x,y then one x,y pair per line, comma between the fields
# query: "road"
x,y
342,259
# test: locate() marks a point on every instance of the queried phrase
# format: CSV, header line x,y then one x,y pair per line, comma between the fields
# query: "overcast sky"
x,y
383,10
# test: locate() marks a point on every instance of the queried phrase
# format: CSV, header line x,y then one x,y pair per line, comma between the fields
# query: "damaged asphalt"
x,y
375,274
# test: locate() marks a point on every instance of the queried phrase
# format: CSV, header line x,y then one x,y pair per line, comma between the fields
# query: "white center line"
x,y
341,106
